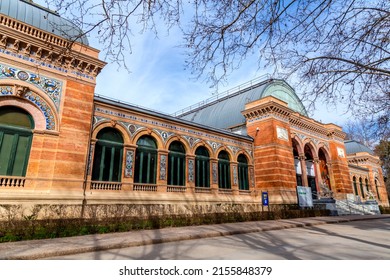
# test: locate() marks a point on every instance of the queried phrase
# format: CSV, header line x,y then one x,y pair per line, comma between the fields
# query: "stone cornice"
x,y
37,45
273,107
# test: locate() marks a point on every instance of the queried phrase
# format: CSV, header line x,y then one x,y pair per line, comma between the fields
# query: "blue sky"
x,y
157,79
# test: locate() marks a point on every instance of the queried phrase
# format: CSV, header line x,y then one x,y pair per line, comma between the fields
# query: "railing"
x,y
176,189
233,91
202,190
144,188
12,181
113,186
44,36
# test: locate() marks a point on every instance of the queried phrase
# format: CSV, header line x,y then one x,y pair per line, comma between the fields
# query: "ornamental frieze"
x,y
179,129
51,87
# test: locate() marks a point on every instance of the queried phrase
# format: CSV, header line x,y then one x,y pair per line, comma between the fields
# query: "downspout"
x,y
88,159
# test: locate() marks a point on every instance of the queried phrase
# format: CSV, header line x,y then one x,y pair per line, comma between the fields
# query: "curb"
x,y
24,250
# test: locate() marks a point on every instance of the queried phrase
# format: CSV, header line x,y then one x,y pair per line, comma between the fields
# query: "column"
x,y
302,159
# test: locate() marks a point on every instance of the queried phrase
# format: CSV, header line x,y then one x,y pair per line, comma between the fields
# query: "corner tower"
x,y
48,75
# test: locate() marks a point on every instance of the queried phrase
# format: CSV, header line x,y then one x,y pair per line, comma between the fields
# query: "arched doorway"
x,y
310,170
16,135
324,170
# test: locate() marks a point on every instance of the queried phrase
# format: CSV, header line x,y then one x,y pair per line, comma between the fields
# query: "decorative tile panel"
x,y
163,167
235,176
42,105
129,163
215,173
191,164
181,130
47,65
51,87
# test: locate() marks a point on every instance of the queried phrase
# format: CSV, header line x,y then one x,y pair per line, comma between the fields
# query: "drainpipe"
x,y
87,160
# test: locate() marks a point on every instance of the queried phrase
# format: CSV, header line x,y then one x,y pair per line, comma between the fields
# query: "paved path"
x,y
38,249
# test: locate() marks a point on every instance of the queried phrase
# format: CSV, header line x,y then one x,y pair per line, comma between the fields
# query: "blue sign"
x,y
264,198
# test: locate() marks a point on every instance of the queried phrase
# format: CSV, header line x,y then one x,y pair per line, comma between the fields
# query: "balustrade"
x,y
12,181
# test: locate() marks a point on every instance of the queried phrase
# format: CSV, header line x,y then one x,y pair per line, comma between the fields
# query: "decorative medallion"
x,y
164,135
163,167
234,149
191,140
214,145
129,163
191,164
22,75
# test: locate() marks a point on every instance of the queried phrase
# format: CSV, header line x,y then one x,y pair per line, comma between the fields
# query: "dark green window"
x,y
366,181
243,182
176,164
224,170
145,161
361,186
355,186
15,140
107,163
377,190
202,168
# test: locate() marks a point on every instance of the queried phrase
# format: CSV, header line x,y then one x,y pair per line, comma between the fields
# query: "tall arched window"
x,y
361,187
145,161
15,140
107,163
176,164
366,181
243,181
355,186
202,168
224,170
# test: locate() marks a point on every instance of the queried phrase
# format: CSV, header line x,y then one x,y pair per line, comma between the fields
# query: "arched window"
x,y
202,168
15,140
107,163
355,186
243,182
176,164
224,170
377,190
361,187
366,181
145,161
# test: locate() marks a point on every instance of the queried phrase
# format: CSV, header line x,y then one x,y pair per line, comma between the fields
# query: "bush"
x,y
32,228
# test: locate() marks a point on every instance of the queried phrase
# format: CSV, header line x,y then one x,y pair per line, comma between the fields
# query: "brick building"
x,y
62,145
